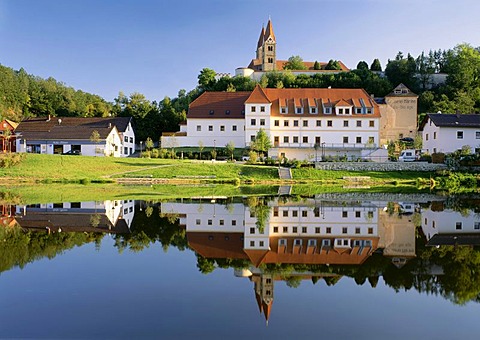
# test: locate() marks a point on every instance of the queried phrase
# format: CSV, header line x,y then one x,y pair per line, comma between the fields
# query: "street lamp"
x,y
141,142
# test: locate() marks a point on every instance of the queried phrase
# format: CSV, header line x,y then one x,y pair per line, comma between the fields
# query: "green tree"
x,y
376,66
230,147
95,138
402,70
149,144
425,68
333,65
362,65
206,79
316,66
261,143
295,62
201,146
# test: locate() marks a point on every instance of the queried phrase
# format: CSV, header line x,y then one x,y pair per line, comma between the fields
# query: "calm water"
x,y
354,267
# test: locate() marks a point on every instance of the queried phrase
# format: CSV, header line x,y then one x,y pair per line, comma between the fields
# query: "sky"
x,y
158,47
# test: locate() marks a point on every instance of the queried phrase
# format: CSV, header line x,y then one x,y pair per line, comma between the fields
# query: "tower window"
x,y
270,60
270,48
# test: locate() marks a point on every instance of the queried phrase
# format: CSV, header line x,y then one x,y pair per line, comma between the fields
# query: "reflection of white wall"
x,y
449,222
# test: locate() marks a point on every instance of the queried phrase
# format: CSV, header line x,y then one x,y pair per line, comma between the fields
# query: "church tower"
x,y
266,48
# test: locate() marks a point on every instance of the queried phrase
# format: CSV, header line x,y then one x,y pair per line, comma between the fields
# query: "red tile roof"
x,y
219,105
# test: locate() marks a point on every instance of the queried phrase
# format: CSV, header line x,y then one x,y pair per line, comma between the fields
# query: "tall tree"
x,y
261,143
207,79
333,65
295,62
376,66
362,65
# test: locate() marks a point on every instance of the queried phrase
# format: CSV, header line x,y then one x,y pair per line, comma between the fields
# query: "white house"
x,y
301,123
57,135
450,132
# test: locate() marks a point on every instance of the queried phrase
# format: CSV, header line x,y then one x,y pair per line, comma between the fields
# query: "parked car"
x,y
407,139
72,153
408,155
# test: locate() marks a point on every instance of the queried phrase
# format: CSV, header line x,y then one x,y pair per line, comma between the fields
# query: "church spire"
x,y
261,39
269,31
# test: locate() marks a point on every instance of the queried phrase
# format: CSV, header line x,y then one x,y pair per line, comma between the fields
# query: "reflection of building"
x,y
7,216
304,232
449,227
7,135
108,216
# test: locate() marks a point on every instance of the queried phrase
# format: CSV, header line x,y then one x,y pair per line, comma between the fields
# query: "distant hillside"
x,y
24,95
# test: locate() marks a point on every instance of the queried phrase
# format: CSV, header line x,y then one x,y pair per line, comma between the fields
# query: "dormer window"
x,y
313,110
328,110
358,110
369,111
398,91
227,112
340,111
211,112
347,111
284,110
299,110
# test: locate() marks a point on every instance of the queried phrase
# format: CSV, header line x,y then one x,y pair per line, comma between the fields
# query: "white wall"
x,y
446,140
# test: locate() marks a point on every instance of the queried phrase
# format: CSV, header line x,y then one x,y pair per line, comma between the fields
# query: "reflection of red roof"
x,y
216,245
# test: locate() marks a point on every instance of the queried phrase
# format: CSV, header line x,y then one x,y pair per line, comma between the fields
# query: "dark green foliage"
x,y
333,65
295,62
376,66
362,65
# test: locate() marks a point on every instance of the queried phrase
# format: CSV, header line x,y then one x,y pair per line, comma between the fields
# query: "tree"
x,y
316,66
95,138
295,62
261,143
425,67
230,147
201,146
376,66
464,65
149,144
206,79
333,65
362,65
402,70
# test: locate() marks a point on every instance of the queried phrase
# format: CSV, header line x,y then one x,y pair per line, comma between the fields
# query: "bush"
x,y
10,159
155,153
438,158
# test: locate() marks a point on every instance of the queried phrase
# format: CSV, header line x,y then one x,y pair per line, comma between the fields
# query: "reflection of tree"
x,y
260,209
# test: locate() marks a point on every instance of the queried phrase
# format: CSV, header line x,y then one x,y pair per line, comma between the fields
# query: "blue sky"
x,y
159,47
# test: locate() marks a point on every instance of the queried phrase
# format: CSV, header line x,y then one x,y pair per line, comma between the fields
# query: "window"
x,y
316,212
359,140
221,222
459,134
276,140
328,110
227,112
319,123
209,222
304,213
234,128
313,110
371,140
252,138
295,123
252,231
358,214
262,122
295,139
329,123
234,222
126,139
369,111
340,111
477,134
285,213
283,109
253,122
294,230
344,214
275,229
476,225
426,136
285,123
345,123
270,48
370,214
359,123
358,110
252,243
458,226
299,110
210,128
222,128
304,230
131,139
317,139
370,231
270,60
197,221
285,230
199,128
329,230
317,230
254,109
344,230
305,139
347,111
434,135
345,139
276,122
285,139
125,150
275,212
262,108
305,123
357,230
294,213
371,123
211,112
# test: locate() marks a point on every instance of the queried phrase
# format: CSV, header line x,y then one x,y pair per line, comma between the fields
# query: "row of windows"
x,y
316,212
460,135
127,139
127,210
221,128
260,243
305,139
327,110
318,123
220,222
458,225
318,230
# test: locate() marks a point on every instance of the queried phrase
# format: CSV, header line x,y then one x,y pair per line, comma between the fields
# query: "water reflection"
x,y
271,239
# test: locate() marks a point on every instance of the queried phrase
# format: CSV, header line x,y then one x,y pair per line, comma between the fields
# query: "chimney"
x,y
109,125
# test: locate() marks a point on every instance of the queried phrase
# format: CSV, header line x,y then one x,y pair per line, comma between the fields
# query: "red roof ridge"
x,y
258,95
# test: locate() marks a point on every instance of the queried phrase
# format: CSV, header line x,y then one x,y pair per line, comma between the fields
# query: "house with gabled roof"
x,y
57,135
305,124
447,133
7,135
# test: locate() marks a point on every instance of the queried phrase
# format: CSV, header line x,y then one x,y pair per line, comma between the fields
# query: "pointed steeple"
x,y
269,31
261,38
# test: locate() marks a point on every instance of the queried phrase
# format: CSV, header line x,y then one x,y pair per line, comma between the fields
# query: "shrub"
x,y
10,159
438,157
155,153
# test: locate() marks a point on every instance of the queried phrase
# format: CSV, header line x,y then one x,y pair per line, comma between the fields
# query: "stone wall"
x,y
388,166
